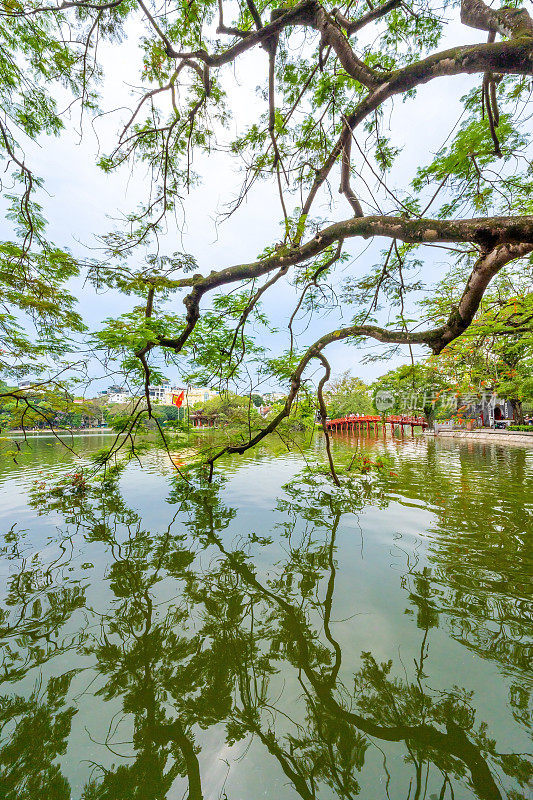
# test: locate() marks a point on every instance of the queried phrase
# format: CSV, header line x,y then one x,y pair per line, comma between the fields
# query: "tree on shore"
x,y
496,352
415,389
331,77
228,409
348,395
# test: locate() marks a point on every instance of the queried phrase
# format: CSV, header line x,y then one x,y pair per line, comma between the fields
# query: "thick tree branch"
x,y
485,232
308,13
486,267
254,13
515,57
508,21
221,28
345,187
332,35
502,239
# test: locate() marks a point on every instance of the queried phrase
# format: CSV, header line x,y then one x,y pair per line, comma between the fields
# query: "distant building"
x,y
494,409
162,394
273,397
192,394
198,394
491,409
112,390
26,386
118,394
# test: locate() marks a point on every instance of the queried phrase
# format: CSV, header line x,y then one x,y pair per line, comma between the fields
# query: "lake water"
x,y
269,635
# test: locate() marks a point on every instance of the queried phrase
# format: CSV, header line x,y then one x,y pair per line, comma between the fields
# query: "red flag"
x,y
177,399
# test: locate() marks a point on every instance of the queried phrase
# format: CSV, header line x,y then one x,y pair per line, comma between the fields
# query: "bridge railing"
x,y
398,418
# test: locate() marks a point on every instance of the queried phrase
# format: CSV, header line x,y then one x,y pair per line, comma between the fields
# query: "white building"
x,y
163,394
192,394
120,396
158,394
34,387
273,397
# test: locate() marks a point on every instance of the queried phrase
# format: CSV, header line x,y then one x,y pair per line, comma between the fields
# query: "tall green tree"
x,y
348,395
496,352
418,388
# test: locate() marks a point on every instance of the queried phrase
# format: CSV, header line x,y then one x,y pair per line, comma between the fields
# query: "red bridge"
x,y
352,423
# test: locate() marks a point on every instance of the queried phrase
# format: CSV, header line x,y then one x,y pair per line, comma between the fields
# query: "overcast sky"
x,y
80,197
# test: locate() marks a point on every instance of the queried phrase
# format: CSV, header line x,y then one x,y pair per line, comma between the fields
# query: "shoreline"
x,y
59,432
488,435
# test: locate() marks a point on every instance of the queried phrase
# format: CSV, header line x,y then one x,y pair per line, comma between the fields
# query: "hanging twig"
x,y
324,414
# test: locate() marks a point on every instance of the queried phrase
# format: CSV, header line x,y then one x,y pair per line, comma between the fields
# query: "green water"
x,y
269,636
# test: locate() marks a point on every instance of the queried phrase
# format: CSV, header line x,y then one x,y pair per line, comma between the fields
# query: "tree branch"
x,y
515,57
324,414
507,21
345,187
352,26
436,338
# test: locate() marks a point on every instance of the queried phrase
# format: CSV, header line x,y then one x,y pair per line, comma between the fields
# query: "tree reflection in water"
x,y
197,634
